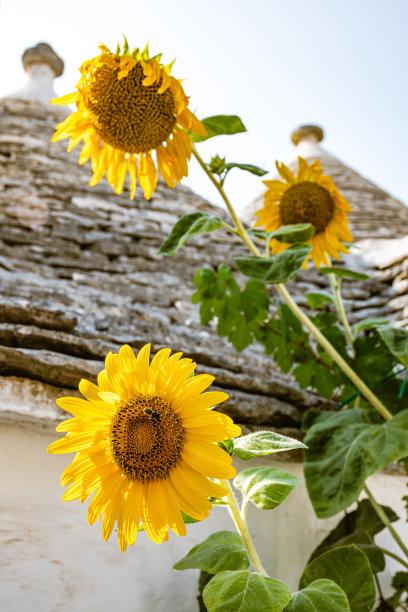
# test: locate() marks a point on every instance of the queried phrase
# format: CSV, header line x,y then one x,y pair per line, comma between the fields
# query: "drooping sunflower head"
x,y
129,106
145,441
309,197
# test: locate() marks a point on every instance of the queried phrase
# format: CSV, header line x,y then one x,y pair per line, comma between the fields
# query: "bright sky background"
x,y
276,63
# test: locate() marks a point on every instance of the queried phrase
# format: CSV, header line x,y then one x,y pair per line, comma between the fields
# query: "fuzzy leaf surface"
x,y
266,487
245,592
223,550
263,443
321,595
344,448
348,567
358,527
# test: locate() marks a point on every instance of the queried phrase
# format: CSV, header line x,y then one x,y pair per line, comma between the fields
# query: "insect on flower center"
x,y
125,113
146,438
307,202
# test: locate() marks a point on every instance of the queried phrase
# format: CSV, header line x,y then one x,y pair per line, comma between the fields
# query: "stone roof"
x,y
80,275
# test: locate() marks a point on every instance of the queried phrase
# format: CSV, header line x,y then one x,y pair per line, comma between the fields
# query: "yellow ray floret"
x,y
308,197
130,109
145,442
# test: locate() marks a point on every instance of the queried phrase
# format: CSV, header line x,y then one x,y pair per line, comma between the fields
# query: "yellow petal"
x,y
147,175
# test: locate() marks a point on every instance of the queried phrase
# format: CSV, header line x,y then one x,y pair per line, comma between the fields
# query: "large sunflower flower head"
x,y
145,441
309,197
129,106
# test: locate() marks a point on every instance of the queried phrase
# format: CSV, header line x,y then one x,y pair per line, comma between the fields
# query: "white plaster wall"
x,y
52,561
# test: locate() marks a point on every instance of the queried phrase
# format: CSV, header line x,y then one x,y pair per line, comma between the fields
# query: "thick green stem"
x,y
386,521
242,528
338,301
328,347
389,553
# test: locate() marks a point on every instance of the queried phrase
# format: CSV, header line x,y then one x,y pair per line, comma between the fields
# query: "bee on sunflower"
x,y
308,197
145,442
129,106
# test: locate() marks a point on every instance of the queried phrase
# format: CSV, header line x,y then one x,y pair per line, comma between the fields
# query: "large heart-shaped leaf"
x,y
321,595
245,592
344,448
223,550
358,527
348,567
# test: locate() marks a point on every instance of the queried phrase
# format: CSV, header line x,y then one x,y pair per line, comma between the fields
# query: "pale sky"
x,y
276,63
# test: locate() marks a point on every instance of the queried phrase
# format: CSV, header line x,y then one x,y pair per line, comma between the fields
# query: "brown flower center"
x,y
307,202
126,114
146,438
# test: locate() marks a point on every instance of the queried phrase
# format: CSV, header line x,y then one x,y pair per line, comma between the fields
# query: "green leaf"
x,y
345,448
344,272
187,227
396,340
247,167
400,581
277,269
321,595
358,527
218,125
317,299
226,445
188,519
348,567
366,323
266,487
223,550
263,443
245,592
299,232
203,580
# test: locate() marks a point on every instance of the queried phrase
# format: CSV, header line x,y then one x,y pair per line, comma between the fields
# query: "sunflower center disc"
x,y
146,438
307,203
126,114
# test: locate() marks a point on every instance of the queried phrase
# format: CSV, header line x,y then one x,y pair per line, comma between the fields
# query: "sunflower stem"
x,y
240,524
385,520
391,554
239,227
338,302
328,347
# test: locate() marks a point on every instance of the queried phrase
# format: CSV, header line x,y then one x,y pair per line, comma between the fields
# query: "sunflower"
x,y
309,197
129,105
145,442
